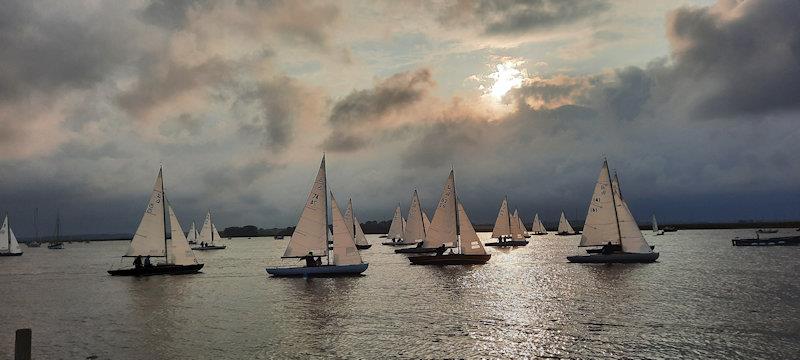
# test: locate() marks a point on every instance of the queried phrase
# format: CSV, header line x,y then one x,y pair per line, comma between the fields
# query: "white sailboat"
x,y
397,229
209,238
564,228
451,228
610,224
150,241
9,246
538,228
310,238
508,229
416,228
523,232
656,231
192,236
352,222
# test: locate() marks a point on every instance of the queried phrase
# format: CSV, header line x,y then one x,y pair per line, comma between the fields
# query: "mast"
x,y
211,225
8,232
325,170
421,217
614,203
353,216
508,215
35,224
164,209
455,204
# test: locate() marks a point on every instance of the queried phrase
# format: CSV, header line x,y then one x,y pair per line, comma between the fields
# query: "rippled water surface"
x,y
703,298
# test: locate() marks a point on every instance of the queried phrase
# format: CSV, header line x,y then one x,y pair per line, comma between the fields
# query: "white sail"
x,y
396,228
8,241
522,226
150,235
415,227
360,238
631,237
216,236
655,224
179,251
348,215
502,226
563,225
538,227
470,244
443,227
600,227
517,231
426,221
192,236
344,248
311,233
208,233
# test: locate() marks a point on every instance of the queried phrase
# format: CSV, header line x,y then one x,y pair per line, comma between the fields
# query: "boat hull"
x,y
392,243
55,246
777,241
214,247
508,243
319,271
416,250
11,254
363,247
449,259
623,258
158,270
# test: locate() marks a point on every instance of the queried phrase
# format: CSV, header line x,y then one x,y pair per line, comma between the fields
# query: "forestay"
x,y
179,251
470,243
443,227
600,227
344,248
310,235
415,229
502,226
150,235
8,241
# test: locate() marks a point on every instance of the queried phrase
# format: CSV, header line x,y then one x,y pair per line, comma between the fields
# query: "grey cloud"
x,y
340,141
232,177
503,17
170,14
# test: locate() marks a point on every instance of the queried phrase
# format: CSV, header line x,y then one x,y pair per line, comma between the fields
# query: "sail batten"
x,y
311,232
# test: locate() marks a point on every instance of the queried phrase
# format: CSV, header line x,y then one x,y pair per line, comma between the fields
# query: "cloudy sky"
x,y
695,103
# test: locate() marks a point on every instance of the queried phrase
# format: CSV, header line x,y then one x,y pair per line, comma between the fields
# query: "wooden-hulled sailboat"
x,y
417,228
310,239
57,244
397,230
8,241
192,235
656,231
564,228
507,229
610,225
151,241
451,227
352,222
209,236
538,228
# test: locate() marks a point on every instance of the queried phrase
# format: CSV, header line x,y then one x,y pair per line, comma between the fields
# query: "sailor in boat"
x,y
137,262
147,262
311,260
440,250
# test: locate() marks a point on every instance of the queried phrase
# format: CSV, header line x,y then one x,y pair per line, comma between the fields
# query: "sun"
x,y
509,75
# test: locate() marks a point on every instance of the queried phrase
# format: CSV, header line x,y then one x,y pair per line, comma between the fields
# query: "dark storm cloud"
x,y
439,142
503,17
227,176
44,53
169,14
739,57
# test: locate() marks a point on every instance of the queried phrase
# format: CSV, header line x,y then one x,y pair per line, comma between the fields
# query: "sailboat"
x,y
8,241
310,238
656,231
57,244
352,222
192,236
151,241
521,225
564,228
397,230
451,227
208,236
417,228
610,224
538,228
507,228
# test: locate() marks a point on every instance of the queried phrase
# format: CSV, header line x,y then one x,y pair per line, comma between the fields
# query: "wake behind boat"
x,y
451,228
310,239
8,241
151,241
209,236
610,225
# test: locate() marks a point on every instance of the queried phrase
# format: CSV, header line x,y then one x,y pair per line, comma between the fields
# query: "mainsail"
x,y
179,251
396,228
8,241
502,226
655,224
311,233
150,236
563,225
470,244
192,236
443,227
355,227
344,248
538,227
415,228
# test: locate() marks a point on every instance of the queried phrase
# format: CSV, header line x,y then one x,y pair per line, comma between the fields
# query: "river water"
x,y
703,298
